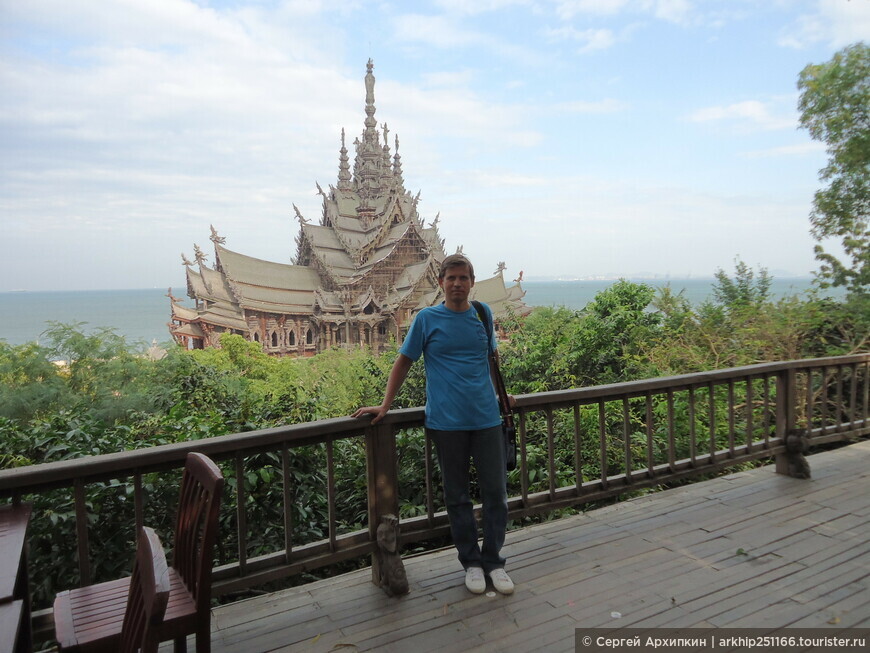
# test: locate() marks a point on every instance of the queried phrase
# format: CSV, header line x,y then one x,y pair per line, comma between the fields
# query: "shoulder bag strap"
x,y
500,388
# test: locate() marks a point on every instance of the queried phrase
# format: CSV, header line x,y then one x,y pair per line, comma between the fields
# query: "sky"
x,y
567,138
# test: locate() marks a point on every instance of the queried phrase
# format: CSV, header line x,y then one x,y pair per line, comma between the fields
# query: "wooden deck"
x,y
751,549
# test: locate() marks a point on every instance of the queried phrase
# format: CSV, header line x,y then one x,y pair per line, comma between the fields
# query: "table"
x,y
14,584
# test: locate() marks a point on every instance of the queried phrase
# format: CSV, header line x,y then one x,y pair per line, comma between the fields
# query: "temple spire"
x,y
343,166
371,133
397,170
369,161
387,181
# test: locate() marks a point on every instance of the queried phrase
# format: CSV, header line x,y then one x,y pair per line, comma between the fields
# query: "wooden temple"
x,y
358,276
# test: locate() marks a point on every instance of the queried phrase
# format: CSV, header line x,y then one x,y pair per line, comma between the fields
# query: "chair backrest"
x,y
148,595
196,526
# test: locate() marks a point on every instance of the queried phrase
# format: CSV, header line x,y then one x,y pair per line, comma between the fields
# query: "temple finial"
x,y
215,238
387,179
344,176
369,161
199,255
299,216
397,169
370,122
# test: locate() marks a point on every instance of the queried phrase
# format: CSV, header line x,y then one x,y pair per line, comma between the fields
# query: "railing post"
x,y
792,461
388,571
82,533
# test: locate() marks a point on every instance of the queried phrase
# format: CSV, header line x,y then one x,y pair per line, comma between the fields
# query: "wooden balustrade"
x,y
574,447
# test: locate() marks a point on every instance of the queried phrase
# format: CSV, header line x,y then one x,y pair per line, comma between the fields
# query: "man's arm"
x,y
394,384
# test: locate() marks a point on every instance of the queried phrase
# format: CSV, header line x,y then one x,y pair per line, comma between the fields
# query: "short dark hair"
x,y
455,260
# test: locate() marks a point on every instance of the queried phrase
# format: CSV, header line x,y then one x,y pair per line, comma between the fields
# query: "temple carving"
x,y
357,278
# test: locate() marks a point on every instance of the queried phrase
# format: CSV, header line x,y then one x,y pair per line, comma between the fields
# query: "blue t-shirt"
x,y
459,391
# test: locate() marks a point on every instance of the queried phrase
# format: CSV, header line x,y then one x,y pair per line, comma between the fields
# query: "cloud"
x,y
592,224
446,33
128,127
449,109
591,39
567,9
750,113
506,179
608,105
464,7
674,11
438,31
128,22
834,22
214,120
458,78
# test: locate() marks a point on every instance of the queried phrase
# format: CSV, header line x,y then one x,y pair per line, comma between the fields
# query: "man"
x,y
462,419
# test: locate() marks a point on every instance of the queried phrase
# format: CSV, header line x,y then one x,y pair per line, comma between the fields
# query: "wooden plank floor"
x,y
748,550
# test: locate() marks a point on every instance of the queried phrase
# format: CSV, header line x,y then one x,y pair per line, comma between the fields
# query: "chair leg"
x,y
181,645
203,638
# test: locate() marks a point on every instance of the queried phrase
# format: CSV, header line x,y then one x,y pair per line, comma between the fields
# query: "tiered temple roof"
x,y
357,278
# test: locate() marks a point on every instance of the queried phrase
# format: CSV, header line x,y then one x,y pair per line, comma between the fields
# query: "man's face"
x,y
457,283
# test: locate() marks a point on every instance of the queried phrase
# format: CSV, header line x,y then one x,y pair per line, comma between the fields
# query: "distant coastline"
x,y
653,278
648,278
141,315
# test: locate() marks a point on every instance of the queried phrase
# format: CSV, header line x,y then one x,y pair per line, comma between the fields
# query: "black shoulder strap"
x,y
504,404
484,317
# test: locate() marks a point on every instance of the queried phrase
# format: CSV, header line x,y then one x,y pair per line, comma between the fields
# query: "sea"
x,y
141,315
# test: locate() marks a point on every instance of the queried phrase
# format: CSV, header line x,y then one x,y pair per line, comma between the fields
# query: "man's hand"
x,y
394,382
377,411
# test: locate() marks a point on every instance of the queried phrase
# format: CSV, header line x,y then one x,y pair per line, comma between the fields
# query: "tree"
x,y
743,291
835,108
556,348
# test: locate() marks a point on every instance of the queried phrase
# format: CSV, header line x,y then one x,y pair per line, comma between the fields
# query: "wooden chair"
x,y
90,618
149,593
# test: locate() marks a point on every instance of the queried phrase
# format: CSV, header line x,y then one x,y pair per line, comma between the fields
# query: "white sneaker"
x,y
475,581
501,581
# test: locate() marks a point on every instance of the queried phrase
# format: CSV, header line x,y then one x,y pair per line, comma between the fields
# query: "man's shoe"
x,y
501,581
475,581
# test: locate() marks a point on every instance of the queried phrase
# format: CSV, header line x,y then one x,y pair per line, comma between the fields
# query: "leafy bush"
x,y
109,398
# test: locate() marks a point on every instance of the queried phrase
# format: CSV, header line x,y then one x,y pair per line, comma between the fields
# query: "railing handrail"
x,y
51,475
160,457
752,412
641,387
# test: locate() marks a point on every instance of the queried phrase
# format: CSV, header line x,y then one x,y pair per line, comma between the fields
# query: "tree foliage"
x,y
109,398
744,291
835,108
556,348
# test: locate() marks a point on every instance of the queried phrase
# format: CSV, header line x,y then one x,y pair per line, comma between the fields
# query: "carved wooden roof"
x,y
370,247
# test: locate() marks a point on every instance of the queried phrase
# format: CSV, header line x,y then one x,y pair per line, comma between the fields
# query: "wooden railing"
x,y
575,447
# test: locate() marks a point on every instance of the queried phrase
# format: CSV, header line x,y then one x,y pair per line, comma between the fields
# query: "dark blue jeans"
x,y
455,451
